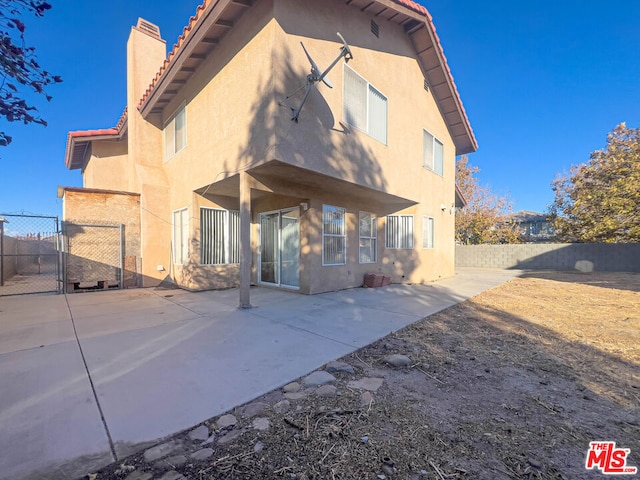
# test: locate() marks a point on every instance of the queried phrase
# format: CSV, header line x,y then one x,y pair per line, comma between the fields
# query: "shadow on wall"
x,y
320,144
584,257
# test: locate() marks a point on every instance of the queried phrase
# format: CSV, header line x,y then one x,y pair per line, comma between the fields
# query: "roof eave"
x,y
418,22
208,16
80,140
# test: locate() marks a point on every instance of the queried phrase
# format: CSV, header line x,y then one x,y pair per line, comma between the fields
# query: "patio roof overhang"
x,y
280,178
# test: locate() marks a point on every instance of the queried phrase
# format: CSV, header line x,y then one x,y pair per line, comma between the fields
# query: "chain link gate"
x,y
93,256
30,254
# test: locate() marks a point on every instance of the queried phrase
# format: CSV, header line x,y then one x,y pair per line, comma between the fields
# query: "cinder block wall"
x,y
599,257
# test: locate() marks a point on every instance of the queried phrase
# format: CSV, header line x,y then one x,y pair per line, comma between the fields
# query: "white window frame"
x,y
368,126
171,146
431,160
371,236
394,240
230,241
428,232
326,209
180,235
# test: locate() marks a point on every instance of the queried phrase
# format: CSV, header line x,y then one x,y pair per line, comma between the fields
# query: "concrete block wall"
x,y
602,257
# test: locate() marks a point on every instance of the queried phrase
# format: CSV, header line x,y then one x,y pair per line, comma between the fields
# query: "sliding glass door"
x,y
279,254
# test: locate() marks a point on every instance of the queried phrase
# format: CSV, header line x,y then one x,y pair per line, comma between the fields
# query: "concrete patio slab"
x,y
354,324
33,321
164,360
49,415
156,381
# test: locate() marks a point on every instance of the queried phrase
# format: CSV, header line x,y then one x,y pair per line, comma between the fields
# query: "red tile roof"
x,y
104,131
416,7
76,140
185,33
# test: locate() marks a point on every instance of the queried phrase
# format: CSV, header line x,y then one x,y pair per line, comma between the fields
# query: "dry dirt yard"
x,y
512,384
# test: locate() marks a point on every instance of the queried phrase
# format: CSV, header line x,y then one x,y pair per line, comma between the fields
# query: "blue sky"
x,y
542,81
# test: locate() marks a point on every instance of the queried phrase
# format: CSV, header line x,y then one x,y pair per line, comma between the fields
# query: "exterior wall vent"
x,y
426,85
148,28
375,29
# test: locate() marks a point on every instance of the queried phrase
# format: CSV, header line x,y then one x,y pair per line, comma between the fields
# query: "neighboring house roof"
x,y
526,216
213,20
78,142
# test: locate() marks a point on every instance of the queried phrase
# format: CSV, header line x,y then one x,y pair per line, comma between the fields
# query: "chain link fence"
x,y
94,256
30,254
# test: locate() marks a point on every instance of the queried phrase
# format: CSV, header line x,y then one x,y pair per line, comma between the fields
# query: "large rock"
x,y
139,475
333,367
227,420
295,396
252,409
202,454
366,398
230,436
318,377
162,450
326,391
367,383
261,424
292,387
283,406
200,433
397,360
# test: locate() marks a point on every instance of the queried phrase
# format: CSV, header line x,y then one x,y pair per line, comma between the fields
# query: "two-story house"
x,y
230,191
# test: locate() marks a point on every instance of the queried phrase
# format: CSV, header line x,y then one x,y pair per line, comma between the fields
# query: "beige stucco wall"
x,y
234,122
322,141
108,166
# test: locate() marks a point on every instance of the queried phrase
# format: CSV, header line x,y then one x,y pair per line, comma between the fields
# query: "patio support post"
x,y
245,240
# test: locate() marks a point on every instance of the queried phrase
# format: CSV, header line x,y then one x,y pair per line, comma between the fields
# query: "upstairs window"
x,y
175,134
432,153
364,107
219,236
399,232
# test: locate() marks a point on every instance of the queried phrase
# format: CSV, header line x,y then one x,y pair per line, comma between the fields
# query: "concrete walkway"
x,y
88,379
